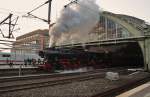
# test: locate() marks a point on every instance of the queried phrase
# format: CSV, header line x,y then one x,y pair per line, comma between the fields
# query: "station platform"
x,y
140,91
2,67
15,70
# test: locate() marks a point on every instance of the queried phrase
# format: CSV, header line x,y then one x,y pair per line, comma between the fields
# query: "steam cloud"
x,y
75,21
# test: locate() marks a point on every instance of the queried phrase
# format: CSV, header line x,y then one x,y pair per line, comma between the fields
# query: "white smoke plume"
x,y
75,21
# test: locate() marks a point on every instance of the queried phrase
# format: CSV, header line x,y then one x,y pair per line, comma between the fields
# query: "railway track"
x,y
32,85
24,83
17,71
123,88
51,75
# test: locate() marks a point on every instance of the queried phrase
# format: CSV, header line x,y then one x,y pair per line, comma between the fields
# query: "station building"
x,y
126,37
31,42
112,30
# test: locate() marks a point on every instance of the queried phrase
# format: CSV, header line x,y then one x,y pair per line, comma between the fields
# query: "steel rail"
x,y
30,77
117,91
63,80
56,80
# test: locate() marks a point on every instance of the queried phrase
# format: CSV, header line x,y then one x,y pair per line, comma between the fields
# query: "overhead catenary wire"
x,y
77,2
7,43
38,7
49,12
4,12
37,17
7,11
11,11
7,40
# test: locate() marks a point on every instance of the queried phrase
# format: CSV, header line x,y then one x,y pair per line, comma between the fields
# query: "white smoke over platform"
x,y
75,22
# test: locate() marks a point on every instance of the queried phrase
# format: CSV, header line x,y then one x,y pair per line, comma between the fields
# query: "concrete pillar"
x,y
147,52
145,46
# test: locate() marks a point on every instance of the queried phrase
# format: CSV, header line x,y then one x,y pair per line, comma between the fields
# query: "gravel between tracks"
x,y
75,89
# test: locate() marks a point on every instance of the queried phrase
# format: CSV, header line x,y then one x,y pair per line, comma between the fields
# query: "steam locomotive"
x,y
66,59
122,55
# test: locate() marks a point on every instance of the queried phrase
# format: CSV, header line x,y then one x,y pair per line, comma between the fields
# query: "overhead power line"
x,y
15,13
30,14
7,41
72,2
38,7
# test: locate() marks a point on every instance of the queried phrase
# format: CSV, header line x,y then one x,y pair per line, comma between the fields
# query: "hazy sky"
x,y
137,8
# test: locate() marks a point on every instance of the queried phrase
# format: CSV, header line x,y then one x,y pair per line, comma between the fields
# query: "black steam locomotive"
x,y
113,56
65,59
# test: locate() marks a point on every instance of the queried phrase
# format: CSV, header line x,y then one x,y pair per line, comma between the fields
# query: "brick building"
x,y
31,42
